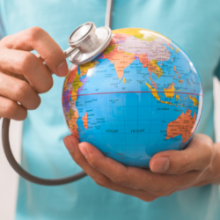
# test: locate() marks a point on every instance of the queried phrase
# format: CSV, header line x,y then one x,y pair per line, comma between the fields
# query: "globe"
x,y
140,96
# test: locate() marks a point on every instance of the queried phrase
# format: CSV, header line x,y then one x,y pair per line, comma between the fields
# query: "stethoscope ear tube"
x,y
10,157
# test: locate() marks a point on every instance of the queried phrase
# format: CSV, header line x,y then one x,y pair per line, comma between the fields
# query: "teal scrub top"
x,y
193,25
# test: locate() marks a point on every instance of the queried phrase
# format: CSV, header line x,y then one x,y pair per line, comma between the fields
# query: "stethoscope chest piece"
x,y
87,42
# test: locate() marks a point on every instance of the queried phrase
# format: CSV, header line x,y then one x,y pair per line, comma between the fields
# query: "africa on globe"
x,y
142,95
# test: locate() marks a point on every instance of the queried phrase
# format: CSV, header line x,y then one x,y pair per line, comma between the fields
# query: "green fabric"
x,y
193,25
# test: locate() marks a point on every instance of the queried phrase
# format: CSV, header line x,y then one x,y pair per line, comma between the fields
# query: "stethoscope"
x,y
86,43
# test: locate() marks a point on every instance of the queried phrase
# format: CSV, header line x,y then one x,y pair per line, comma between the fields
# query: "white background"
x,y
9,180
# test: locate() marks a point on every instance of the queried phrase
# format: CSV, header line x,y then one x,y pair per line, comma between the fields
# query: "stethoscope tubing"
x,y
10,157
7,147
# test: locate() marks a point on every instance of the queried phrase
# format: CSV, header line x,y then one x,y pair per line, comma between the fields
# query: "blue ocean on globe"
x,y
142,95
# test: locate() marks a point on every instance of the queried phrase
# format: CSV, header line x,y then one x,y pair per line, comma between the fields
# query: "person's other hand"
x,y
170,171
17,63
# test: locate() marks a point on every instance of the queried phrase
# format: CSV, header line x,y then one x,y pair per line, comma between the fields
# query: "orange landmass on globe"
x,y
183,126
85,67
170,91
85,121
110,51
181,81
151,66
71,75
120,59
174,67
76,84
73,116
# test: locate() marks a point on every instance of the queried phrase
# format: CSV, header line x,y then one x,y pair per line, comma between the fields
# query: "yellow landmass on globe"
x,y
154,91
156,96
169,103
157,70
151,66
85,67
169,92
177,50
72,118
177,97
75,86
194,99
109,49
138,33
124,80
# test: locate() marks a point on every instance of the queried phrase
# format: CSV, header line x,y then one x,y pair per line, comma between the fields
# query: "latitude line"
x,y
103,93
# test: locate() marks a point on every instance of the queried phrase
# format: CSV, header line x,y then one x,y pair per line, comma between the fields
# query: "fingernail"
x,y
62,69
70,144
160,165
83,151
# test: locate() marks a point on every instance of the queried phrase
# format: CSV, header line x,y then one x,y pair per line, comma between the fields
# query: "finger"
x,y
12,110
19,91
135,178
72,146
126,176
197,156
37,39
27,64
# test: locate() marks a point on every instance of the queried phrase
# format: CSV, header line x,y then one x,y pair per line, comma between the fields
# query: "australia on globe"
x,y
142,95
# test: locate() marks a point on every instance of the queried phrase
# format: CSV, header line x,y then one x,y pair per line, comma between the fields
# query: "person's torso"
x,y
194,26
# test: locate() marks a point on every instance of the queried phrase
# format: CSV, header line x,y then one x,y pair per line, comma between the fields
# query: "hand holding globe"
x,y
140,97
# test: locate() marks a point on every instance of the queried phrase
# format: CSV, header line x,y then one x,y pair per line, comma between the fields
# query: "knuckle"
x,y
93,162
21,90
121,180
26,61
34,33
101,181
